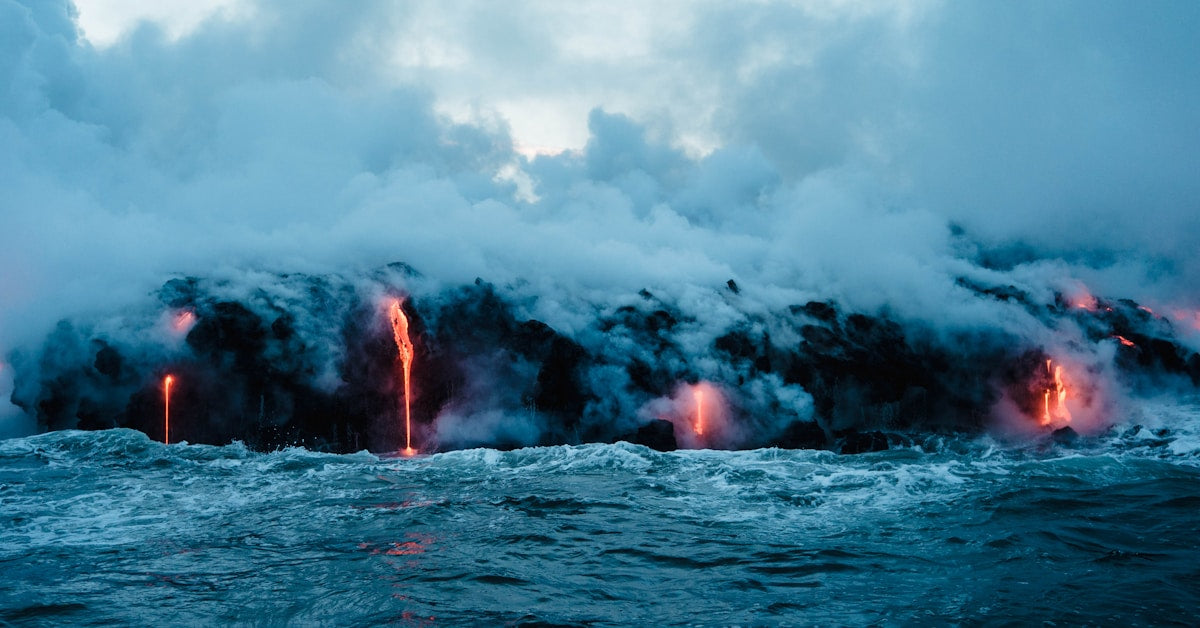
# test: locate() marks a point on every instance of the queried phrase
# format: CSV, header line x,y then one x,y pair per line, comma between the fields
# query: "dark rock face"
x,y
559,390
855,442
867,371
311,361
802,435
1064,435
658,434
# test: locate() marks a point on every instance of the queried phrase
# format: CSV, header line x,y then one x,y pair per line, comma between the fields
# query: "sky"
x,y
869,152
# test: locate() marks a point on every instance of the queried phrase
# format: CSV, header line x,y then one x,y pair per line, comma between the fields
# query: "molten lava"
x,y
183,321
167,381
1185,316
698,395
1057,411
1125,341
405,347
1083,299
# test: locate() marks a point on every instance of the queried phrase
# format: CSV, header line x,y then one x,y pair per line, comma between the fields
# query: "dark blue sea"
x,y
113,528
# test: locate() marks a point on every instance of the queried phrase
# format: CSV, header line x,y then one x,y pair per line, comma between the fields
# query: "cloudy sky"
x,y
864,151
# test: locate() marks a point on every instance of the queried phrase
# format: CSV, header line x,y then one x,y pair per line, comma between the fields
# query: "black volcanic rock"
x,y
1064,435
231,335
658,434
180,292
866,371
1001,293
820,310
739,345
559,390
108,361
855,442
802,435
312,361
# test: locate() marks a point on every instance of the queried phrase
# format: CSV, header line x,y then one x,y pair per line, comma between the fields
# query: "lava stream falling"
x,y
167,381
405,347
698,394
1059,392
183,321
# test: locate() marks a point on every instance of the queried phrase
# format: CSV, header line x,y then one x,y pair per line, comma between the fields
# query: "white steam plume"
x,y
869,153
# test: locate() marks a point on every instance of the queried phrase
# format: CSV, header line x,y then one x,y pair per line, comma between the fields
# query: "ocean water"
x,y
111,527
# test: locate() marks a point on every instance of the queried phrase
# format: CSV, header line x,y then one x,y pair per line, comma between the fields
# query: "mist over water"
x,y
112,527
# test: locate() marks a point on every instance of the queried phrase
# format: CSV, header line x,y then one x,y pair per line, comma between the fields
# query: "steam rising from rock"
x,y
311,360
859,216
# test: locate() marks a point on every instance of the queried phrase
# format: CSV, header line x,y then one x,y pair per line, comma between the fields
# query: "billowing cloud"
x,y
875,154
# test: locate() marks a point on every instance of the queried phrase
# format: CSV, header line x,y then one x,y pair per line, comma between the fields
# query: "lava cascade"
x,y
404,346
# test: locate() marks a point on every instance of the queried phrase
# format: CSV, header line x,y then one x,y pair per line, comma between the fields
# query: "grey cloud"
x,y
871,155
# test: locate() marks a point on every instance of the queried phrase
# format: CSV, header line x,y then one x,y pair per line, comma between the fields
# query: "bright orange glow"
x,y
1125,341
167,381
417,544
183,321
1083,299
405,346
1059,394
698,395
1191,318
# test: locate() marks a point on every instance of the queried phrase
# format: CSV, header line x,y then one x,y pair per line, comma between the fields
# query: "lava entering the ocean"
x,y
699,415
405,347
167,381
1058,410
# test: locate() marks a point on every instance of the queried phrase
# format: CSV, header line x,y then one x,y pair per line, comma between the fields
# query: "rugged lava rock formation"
x,y
305,360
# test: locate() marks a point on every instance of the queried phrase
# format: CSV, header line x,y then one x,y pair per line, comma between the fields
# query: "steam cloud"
x,y
930,184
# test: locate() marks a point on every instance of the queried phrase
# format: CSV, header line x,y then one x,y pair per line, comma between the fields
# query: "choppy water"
x,y
104,527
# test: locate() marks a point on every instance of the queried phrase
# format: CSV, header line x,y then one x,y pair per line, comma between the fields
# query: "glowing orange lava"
x,y
183,321
167,381
1059,392
1192,318
698,394
405,346
1125,341
1083,299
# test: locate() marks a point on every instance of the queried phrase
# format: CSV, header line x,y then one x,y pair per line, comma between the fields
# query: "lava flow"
x,y
1059,392
167,381
405,346
183,321
698,394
